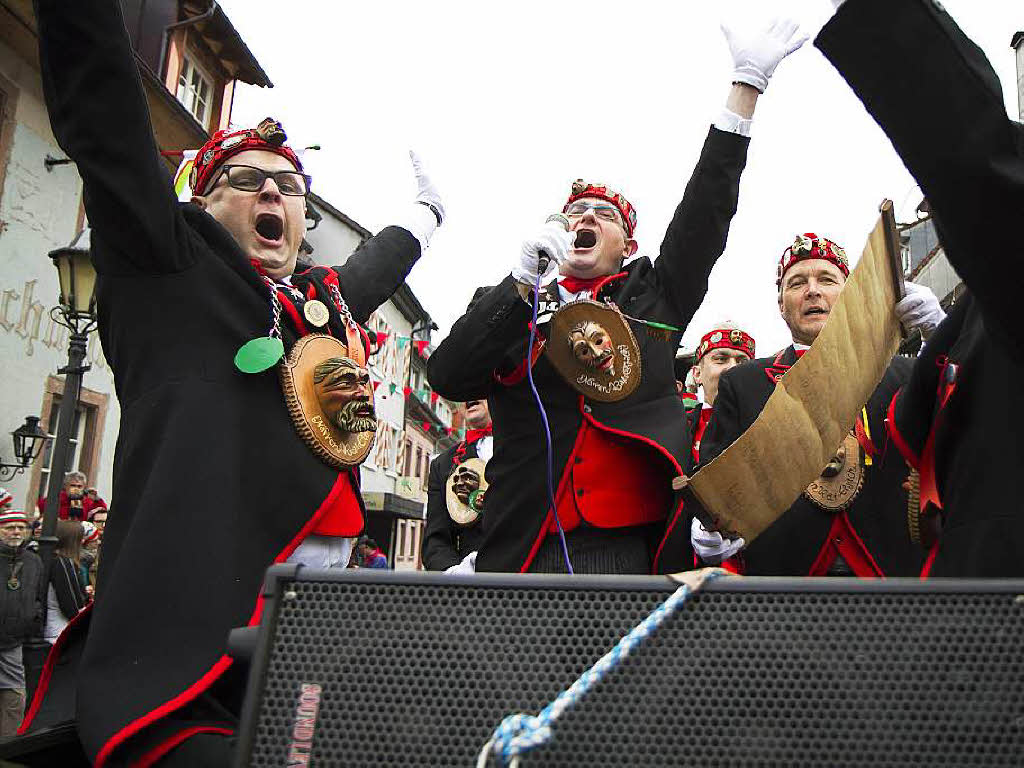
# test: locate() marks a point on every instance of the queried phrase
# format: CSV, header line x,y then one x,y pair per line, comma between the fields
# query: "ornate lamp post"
x,y
29,439
76,311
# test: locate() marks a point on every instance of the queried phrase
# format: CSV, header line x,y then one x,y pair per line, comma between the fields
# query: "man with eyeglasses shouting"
x,y
197,304
606,377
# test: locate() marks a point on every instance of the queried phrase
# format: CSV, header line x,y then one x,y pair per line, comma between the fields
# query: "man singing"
x,y
603,362
197,305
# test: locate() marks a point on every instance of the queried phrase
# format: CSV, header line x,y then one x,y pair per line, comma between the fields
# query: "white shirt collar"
x,y
566,297
485,447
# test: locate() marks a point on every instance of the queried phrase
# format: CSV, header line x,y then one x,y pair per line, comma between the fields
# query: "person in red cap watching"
x,y
613,455
198,303
723,347
852,520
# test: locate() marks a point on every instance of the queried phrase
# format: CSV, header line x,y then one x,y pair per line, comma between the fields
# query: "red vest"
x,y
343,518
612,482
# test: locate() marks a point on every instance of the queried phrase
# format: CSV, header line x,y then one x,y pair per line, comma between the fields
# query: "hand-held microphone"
x,y
543,257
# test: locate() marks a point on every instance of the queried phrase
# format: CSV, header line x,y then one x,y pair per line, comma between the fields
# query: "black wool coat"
x,y
20,609
444,543
968,157
202,447
491,339
790,546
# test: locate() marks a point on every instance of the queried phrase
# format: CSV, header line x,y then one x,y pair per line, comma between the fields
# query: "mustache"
x,y
357,416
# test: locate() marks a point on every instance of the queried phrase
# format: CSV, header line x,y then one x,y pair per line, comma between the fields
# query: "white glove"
x,y
711,546
756,54
426,192
467,566
554,241
919,309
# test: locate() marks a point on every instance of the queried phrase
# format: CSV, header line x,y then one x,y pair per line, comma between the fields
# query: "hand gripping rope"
x,y
518,734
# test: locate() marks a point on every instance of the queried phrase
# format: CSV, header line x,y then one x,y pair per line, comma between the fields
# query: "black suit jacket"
x,y
968,157
790,546
177,297
445,543
491,339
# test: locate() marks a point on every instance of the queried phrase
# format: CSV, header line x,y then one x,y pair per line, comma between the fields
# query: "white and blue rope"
x,y
518,734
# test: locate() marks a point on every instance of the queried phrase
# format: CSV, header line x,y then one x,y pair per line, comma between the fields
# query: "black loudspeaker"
x,y
371,668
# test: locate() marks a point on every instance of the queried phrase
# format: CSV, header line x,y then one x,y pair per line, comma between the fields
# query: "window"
x,y
195,90
77,435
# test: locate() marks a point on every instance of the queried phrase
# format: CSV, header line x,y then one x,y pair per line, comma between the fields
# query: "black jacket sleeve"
x,y
958,141
100,117
438,549
67,587
696,236
376,269
725,424
463,366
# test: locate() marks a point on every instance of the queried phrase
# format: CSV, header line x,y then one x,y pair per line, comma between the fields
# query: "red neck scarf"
x,y
472,435
577,284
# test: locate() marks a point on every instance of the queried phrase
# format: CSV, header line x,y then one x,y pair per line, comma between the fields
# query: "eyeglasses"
x,y
603,212
250,179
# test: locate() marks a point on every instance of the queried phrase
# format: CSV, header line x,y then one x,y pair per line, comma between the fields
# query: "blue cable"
x,y
547,427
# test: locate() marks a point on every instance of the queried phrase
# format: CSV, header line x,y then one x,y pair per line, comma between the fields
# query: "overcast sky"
x,y
508,103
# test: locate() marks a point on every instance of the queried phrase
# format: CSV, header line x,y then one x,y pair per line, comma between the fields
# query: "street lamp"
x,y
28,443
76,311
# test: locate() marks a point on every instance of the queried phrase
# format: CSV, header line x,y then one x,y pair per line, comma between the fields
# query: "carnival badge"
x,y
841,479
330,399
464,492
592,347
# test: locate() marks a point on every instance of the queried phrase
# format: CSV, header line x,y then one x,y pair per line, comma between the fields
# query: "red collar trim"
x,y
778,369
600,286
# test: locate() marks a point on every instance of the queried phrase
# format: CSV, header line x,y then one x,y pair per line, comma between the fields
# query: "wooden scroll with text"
x,y
814,406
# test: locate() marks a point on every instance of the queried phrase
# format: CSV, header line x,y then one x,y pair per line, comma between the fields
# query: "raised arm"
x,y
697,234
100,117
464,365
963,149
375,271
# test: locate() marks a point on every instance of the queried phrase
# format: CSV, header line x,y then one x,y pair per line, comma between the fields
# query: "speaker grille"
x,y
420,674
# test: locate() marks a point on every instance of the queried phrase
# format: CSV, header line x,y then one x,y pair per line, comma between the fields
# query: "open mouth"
x,y
270,227
605,363
364,410
585,239
815,311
